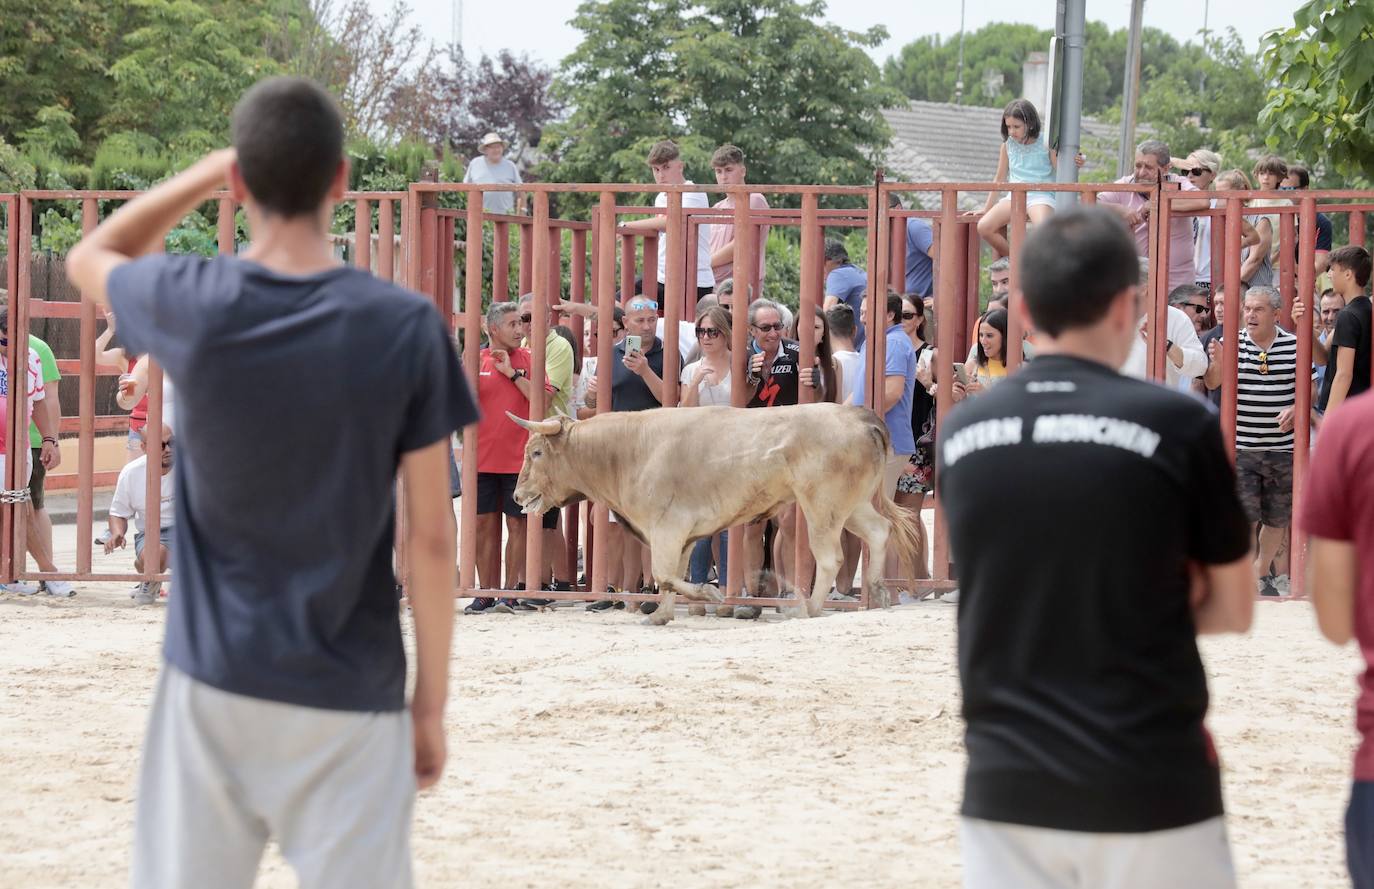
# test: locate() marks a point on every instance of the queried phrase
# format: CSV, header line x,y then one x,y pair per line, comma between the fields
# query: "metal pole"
x,y
1130,92
959,71
1070,100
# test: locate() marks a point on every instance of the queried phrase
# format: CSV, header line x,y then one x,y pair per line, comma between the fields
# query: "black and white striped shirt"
x,y
1266,385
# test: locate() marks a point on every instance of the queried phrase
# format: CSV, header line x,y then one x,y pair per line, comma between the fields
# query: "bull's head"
x,y
544,478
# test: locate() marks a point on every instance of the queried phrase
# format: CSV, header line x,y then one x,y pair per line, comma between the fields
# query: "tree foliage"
x,y
799,96
1322,102
510,95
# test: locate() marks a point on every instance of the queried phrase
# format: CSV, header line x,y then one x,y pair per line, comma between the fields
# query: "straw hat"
x,y
491,139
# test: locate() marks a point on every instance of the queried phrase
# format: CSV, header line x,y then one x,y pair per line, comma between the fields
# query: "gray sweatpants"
x,y
222,772
998,856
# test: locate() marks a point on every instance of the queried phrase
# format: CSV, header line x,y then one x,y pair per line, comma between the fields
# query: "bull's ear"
x,y
539,427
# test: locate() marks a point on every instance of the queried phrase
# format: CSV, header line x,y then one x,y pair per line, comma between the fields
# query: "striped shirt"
x,y
1266,385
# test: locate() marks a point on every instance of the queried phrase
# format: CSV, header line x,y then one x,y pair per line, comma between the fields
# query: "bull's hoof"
x,y
725,611
814,609
658,618
696,610
882,596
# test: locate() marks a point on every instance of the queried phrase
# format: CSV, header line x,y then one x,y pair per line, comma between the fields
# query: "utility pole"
x,y
959,71
457,18
1070,28
1130,92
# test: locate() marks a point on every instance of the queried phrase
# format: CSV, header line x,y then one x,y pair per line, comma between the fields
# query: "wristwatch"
x,y
518,372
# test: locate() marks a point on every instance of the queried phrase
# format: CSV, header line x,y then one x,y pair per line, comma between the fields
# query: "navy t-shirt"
x,y
296,397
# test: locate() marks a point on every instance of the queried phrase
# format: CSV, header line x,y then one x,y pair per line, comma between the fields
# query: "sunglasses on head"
x,y
642,304
769,327
709,333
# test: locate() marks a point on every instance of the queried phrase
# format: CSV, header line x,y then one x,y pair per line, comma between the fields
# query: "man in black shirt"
x,y
1347,368
773,364
1084,695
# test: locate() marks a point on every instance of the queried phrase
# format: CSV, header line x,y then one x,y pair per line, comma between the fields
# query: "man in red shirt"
x,y
1338,513
503,384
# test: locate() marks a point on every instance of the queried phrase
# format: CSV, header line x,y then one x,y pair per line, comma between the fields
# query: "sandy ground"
x,y
589,750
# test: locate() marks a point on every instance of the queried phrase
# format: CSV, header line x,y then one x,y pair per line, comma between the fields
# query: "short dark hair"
x,y
841,318
894,304
1300,173
663,152
1024,111
1354,258
726,155
288,136
835,252
1073,264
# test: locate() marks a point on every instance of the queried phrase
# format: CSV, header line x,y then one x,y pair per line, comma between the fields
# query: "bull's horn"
x,y
542,427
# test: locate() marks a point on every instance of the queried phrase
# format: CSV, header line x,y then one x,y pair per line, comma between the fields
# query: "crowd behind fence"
x,y
423,252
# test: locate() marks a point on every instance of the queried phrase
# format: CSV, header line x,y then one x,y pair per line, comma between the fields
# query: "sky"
x,y
540,27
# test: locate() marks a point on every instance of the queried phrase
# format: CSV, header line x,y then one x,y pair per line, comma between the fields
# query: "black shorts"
x,y
36,479
496,493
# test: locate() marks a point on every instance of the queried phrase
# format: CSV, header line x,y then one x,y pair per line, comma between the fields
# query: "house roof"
x,y
942,142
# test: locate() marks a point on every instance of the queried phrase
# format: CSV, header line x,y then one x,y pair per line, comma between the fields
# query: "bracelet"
x,y
47,439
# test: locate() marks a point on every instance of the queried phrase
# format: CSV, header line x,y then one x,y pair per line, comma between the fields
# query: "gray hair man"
x,y
1152,162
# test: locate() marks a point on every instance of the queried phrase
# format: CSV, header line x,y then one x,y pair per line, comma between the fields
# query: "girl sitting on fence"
x,y
1024,158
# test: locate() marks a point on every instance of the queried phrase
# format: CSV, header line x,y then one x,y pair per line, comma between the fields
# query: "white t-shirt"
x,y
1180,329
131,496
705,277
686,336
719,394
851,366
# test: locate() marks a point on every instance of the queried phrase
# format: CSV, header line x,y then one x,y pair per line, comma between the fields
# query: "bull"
x,y
674,476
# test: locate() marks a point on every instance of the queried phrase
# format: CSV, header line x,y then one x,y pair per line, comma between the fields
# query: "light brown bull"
x,y
674,476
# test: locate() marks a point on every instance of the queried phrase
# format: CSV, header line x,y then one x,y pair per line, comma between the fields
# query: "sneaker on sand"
x,y
952,597
1266,587
648,607
747,612
1282,585
145,593
480,605
23,589
606,605
59,589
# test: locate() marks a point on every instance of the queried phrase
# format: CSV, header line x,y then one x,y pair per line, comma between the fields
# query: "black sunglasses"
x,y
907,316
526,318
768,327
1200,309
1197,171
709,332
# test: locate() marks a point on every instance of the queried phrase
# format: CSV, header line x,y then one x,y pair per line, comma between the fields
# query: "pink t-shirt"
x,y
35,384
1339,505
724,233
1181,269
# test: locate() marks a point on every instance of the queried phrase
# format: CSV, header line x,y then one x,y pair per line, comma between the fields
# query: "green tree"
x,y
54,54
1322,103
800,97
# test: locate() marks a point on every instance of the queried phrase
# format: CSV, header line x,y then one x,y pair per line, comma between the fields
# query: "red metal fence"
x,y
431,237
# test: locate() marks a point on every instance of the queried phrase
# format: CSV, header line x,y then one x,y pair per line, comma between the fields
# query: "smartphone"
x,y
960,375
631,344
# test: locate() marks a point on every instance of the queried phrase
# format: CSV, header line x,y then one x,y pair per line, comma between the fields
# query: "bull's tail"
x,y
905,536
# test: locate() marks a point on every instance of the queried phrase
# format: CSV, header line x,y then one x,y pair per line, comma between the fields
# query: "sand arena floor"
x,y
589,750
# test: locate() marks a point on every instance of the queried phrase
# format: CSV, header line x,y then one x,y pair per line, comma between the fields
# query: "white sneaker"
x,y
952,597
23,589
145,593
60,589
1282,584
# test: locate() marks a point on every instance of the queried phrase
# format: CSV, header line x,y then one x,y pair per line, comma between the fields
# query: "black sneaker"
x,y
648,607
1267,587
606,605
480,605
510,606
747,612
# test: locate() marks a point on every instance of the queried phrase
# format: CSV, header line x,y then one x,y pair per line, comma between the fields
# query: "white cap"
x,y
490,139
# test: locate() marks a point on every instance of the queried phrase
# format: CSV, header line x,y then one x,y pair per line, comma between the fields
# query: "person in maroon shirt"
x,y
1338,513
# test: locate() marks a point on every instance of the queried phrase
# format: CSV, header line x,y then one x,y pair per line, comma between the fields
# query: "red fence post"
x,y
1015,328
85,454
811,249
946,348
739,369
1302,409
1231,345
362,234
500,262
1159,279
386,246
605,300
472,347
11,205
538,344
526,259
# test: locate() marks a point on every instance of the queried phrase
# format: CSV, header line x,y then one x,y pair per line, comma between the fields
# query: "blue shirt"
x,y
296,398
901,361
849,283
920,268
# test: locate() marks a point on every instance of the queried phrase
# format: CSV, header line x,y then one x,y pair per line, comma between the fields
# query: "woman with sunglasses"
x,y
706,381
918,478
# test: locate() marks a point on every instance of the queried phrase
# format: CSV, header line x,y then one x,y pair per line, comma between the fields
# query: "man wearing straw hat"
x,y
492,167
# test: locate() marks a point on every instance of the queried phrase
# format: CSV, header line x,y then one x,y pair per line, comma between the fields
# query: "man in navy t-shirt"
x,y
302,386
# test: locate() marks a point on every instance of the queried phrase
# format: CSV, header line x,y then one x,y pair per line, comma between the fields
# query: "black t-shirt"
x,y
1351,332
779,382
922,402
296,398
629,392
1075,499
